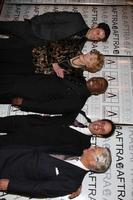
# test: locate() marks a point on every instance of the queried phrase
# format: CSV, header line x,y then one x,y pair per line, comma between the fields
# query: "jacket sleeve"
x,y
53,107
42,189
54,26
49,17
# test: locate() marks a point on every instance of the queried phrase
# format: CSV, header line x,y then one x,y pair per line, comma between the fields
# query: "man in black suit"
x,y
50,94
35,174
52,26
53,134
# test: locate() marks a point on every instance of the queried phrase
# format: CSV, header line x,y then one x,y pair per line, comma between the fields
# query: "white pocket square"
x,y
56,171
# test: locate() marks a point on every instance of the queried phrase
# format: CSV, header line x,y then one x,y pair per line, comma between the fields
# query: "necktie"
x,y
84,114
78,124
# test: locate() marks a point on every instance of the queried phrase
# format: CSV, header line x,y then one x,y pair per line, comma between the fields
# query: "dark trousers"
x,y
20,33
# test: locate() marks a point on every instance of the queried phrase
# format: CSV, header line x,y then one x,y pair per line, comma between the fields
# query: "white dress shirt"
x,y
77,163
85,131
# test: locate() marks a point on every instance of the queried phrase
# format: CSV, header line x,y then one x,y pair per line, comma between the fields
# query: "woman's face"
x,y
88,60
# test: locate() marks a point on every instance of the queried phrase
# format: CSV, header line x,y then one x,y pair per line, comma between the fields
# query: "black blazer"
x,y
57,25
35,174
39,30
46,93
51,133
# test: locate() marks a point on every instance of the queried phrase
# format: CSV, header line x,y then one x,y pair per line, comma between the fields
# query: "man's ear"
x,y
95,94
94,26
98,135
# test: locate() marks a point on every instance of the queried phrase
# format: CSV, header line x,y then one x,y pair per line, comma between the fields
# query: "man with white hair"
x,y
33,173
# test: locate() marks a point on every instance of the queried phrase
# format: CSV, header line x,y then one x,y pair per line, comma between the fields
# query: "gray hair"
x,y
103,161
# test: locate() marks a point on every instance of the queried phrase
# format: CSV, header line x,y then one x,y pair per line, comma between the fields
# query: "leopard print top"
x,y
54,52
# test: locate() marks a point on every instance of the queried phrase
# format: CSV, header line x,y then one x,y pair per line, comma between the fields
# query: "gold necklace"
x,y
73,64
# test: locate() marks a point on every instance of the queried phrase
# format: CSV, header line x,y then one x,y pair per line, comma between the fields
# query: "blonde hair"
x,y
96,66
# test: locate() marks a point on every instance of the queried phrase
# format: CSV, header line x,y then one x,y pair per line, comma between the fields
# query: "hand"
x,y
58,70
76,193
4,184
17,101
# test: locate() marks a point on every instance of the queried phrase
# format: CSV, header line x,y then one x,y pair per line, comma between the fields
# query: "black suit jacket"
x,y
39,30
57,25
46,93
35,174
52,134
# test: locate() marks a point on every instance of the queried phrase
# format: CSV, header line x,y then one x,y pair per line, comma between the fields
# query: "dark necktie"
x,y
78,124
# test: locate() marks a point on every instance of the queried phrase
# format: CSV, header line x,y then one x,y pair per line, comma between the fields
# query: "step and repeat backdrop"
x,y
116,104
77,2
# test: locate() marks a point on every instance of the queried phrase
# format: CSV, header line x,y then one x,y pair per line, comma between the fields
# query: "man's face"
x,y
96,34
100,127
90,155
96,85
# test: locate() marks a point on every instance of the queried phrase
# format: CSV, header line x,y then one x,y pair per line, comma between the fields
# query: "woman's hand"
x,y
58,70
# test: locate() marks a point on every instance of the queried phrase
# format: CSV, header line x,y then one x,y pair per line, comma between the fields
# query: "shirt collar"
x,y
78,163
